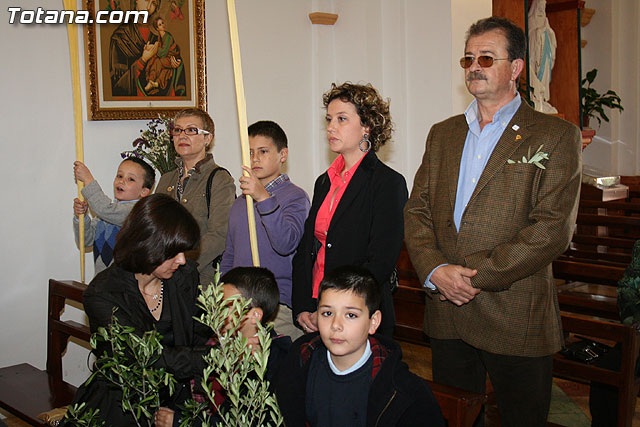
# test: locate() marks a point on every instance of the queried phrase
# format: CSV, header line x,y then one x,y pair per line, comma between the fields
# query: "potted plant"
x,y
593,103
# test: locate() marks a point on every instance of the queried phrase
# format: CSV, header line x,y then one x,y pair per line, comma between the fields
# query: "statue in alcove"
x,y
542,56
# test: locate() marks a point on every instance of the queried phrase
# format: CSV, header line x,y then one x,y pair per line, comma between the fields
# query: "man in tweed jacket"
x,y
494,202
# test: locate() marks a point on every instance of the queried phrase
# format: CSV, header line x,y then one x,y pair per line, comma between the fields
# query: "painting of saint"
x,y
163,70
138,70
144,59
176,13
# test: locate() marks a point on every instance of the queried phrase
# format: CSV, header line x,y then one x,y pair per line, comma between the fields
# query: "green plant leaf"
x,y
593,102
237,369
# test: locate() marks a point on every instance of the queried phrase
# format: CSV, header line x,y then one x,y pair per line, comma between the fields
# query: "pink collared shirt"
x,y
326,211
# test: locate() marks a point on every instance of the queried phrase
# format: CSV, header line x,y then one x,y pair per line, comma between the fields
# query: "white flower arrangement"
x,y
155,145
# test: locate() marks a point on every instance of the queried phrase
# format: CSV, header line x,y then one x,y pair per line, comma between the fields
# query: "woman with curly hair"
x,y
356,213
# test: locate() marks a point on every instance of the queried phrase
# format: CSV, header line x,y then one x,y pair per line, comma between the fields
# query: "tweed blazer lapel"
x,y
454,156
509,142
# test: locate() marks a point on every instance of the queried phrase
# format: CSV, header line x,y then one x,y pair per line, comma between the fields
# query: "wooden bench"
x,y
409,305
459,407
633,182
601,247
27,391
592,266
599,253
625,379
589,298
408,301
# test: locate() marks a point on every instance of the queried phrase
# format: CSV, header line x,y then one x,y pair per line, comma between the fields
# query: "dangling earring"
x,y
365,139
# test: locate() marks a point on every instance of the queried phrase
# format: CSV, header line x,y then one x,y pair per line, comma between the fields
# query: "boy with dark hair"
x,y
134,180
280,210
344,375
258,285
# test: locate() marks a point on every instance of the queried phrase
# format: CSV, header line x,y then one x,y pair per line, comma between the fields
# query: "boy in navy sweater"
x,y
344,375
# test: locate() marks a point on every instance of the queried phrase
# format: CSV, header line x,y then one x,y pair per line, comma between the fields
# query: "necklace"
x,y
183,175
159,298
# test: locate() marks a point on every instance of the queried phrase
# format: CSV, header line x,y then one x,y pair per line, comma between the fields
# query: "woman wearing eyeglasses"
x,y
200,185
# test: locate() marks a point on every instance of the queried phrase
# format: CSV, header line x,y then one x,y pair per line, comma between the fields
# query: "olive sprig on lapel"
x,y
537,157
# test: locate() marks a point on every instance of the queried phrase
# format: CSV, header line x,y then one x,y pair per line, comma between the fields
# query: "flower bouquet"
x,y
155,145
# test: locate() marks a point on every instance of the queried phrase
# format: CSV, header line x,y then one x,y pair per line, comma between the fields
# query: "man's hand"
x,y
251,186
308,321
253,343
454,283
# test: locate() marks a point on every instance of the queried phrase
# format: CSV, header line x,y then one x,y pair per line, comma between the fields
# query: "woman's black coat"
x,y
118,288
366,230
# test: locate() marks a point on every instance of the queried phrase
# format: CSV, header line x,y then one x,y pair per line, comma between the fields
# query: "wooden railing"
x,y
27,391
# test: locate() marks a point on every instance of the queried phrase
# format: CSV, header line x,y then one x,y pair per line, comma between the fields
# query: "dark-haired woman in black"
x,y
152,286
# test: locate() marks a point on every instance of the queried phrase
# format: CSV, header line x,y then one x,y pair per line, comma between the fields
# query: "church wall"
x,y
614,49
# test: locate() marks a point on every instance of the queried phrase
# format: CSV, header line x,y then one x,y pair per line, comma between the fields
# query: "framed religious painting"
x,y
149,59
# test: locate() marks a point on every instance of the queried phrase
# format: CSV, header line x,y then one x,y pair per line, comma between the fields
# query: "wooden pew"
x,y
599,253
633,182
589,298
625,379
27,391
409,305
592,266
601,247
408,301
459,407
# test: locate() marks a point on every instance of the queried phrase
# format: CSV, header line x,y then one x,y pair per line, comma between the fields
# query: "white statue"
x,y
542,55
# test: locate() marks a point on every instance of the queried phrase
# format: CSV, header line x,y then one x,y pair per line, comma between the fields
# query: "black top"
x,y
115,287
366,230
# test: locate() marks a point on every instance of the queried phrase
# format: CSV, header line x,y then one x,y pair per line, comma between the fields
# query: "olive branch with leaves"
x,y
536,159
240,369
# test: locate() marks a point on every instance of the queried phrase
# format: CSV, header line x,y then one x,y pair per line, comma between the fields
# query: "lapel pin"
x,y
515,127
518,137
170,188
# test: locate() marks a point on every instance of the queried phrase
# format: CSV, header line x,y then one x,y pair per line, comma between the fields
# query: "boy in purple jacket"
x,y
280,210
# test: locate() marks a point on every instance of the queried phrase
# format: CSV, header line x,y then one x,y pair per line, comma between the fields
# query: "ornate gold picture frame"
x,y
140,70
